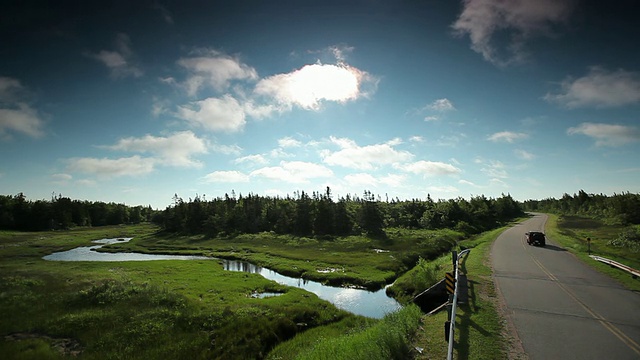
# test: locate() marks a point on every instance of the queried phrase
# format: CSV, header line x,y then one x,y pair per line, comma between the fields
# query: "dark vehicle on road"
x,y
535,238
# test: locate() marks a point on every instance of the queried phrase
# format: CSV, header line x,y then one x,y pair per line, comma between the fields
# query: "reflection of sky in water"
x,y
87,253
362,302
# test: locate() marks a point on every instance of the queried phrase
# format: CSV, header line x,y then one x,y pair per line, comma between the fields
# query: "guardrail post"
x,y
453,299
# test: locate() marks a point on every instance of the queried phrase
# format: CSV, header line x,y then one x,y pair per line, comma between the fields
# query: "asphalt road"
x,y
560,307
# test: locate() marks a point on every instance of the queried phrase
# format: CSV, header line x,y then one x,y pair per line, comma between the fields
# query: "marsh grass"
x,y
141,310
572,232
361,261
388,338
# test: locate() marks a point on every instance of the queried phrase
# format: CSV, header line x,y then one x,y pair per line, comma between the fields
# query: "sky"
x,y
135,101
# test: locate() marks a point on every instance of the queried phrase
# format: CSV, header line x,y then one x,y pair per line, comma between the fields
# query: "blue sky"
x,y
133,103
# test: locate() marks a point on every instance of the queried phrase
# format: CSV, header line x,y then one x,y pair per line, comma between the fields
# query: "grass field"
x,y
572,232
194,309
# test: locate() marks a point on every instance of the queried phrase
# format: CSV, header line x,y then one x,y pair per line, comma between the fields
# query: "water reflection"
x,y
374,304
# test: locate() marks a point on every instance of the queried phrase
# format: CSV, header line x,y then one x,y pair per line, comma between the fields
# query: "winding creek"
x,y
374,304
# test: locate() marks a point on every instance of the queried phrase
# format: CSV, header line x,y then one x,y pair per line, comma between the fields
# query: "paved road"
x,y
560,307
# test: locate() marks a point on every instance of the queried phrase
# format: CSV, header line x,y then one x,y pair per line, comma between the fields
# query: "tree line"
x,y
318,214
18,213
623,209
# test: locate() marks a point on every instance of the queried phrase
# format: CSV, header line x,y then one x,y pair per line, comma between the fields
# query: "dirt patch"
x,y
65,346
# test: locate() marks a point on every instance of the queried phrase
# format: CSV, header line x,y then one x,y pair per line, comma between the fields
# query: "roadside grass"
x,y
572,233
479,332
385,339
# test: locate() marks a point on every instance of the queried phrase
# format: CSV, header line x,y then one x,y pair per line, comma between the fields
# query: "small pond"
x,y
374,304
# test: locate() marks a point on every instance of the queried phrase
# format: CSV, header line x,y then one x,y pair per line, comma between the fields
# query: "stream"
x,y
374,304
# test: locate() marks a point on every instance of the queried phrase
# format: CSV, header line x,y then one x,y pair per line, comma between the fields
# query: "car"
x,y
535,238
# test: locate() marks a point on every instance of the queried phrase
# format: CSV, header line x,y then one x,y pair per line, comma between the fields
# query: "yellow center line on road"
x,y
605,323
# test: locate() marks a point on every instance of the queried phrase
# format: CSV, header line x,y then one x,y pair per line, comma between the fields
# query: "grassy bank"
x,y
572,232
194,309
140,310
352,260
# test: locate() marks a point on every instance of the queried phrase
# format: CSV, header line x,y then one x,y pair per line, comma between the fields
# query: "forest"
x,y
621,209
318,214
309,214
18,213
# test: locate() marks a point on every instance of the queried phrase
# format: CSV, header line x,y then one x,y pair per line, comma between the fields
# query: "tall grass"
x,y
388,338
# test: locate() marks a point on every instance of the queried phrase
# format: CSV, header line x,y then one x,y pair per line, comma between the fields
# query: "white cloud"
x,y
429,168
431,118
22,119
467,182
524,155
225,177
121,61
294,172
599,88
226,149
130,166
288,141
607,134
441,105
443,189
10,89
521,19
363,157
417,139
252,159
361,179
15,114
61,177
507,136
215,114
311,85
175,150
365,180
214,69
495,169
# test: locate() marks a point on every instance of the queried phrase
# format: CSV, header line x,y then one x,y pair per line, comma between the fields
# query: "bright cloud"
x,y
363,157
225,177
607,134
599,88
130,166
214,69
495,169
287,142
365,180
507,136
15,114
429,168
175,150
310,85
441,105
223,114
294,172
252,159
22,119
524,155
522,19
120,61
443,189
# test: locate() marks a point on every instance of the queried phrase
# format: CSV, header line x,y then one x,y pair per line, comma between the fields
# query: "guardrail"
x,y
634,273
453,301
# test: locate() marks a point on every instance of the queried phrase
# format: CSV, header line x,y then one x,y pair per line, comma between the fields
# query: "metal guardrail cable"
x,y
454,305
635,273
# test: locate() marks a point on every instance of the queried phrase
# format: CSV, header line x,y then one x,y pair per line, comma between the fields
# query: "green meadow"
x,y
194,309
